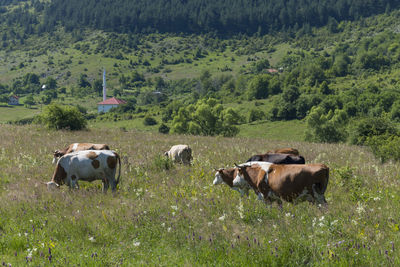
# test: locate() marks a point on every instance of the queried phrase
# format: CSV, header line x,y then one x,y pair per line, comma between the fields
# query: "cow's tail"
x,y
119,172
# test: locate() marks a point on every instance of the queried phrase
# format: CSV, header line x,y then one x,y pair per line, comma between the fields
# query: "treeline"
x,y
195,16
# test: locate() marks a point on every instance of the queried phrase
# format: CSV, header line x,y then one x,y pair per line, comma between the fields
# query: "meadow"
x,y
174,216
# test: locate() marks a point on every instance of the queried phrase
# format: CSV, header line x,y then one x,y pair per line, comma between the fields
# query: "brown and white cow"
x,y
180,153
78,147
289,182
226,176
87,165
287,150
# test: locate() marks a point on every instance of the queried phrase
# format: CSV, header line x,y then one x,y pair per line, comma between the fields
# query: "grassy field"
x,y
177,217
12,113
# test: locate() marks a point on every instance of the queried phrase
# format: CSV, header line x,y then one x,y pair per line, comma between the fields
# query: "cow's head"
x,y
59,175
218,177
52,185
239,180
56,155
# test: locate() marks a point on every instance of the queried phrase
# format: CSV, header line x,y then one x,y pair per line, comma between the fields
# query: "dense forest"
x,y
195,16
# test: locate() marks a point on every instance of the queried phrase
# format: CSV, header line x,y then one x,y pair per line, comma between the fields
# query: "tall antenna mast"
x,y
104,85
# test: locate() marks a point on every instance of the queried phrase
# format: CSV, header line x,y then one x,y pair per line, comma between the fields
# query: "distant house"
x,y
13,100
272,71
107,104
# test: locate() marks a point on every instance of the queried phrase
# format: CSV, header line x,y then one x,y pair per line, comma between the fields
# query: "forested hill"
x,y
194,16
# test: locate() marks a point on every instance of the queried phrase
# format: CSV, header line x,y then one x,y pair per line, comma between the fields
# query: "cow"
x,y
292,183
226,176
87,165
278,158
180,153
78,147
287,150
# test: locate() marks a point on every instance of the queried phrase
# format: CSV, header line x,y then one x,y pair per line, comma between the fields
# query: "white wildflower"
x,y
287,214
169,229
222,218
136,243
258,219
163,224
174,207
377,198
92,239
360,208
209,223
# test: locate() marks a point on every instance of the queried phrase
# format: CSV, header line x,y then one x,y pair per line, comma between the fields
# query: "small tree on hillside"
x,y
58,117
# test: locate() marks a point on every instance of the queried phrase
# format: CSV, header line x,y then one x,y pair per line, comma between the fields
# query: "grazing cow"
x,y
278,158
78,147
292,183
180,153
87,165
288,150
226,176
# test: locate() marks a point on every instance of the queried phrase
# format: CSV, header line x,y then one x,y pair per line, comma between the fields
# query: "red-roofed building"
x,y
13,100
107,104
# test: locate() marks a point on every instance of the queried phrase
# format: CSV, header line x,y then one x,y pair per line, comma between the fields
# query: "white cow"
x,y
180,153
87,165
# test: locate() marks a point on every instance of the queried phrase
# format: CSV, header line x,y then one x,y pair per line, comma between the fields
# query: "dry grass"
x,y
176,216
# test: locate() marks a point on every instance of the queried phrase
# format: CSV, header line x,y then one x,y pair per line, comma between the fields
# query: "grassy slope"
x,y
177,217
11,113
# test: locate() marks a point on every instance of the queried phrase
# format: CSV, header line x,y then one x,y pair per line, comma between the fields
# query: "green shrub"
x,y
161,162
61,117
163,129
148,121
385,147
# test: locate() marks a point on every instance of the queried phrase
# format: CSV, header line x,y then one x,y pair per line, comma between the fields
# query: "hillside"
x,y
327,77
177,217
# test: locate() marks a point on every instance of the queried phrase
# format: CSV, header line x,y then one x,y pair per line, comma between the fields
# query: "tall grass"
x,y
176,216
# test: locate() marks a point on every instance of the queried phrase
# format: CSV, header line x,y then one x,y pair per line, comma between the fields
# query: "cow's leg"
x,y
105,184
304,195
320,198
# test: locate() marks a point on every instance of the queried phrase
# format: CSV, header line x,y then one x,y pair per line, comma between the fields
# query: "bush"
x,y
58,117
164,129
368,127
385,147
148,121
162,163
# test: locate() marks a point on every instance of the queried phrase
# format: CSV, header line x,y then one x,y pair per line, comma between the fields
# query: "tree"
x,y
83,82
326,128
29,101
61,117
259,87
98,86
51,83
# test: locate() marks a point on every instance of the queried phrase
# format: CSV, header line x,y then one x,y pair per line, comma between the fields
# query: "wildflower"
x,y
258,219
92,239
174,207
222,218
169,229
136,243
287,214
209,223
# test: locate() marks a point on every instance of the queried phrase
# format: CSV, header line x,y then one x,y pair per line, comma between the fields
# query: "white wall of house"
x,y
105,108
13,101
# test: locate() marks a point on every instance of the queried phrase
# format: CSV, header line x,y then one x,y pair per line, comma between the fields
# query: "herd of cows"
x,y
275,175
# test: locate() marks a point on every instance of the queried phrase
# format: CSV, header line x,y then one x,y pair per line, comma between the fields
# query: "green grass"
x,y
12,113
177,217
277,130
